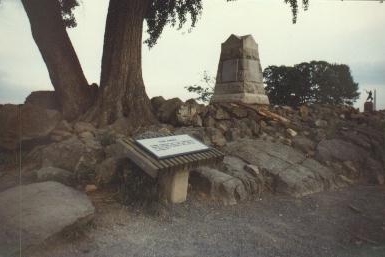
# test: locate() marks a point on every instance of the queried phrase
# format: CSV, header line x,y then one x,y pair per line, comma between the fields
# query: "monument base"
x,y
368,107
241,97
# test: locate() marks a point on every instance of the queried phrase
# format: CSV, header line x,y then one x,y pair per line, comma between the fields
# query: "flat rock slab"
x,y
292,173
46,209
218,185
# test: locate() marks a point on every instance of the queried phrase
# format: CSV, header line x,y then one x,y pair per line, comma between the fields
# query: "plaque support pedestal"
x,y
173,186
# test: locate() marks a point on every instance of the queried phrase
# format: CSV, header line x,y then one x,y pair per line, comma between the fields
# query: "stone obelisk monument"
x,y
239,76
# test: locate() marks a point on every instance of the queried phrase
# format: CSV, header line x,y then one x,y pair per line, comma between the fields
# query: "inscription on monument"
x,y
163,147
230,68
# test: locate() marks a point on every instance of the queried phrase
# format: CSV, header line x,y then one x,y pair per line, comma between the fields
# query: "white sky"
x,y
349,32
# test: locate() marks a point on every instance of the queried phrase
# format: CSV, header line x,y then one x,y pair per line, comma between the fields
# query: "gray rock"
x,y
252,169
74,155
82,126
285,169
43,99
218,185
233,134
115,150
321,123
252,181
187,114
157,102
86,167
239,112
209,122
64,126
339,150
62,131
65,154
216,137
221,114
55,174
374,171
58,135
304,144
167,111
246,126
291,132
36,123
223,125
357,138
46,209
107,171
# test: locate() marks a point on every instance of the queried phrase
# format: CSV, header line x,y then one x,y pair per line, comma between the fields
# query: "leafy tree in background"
x,y
204,89
282,85
121,96
316,82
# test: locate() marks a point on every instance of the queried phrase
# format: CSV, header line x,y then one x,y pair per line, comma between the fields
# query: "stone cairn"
x,y
239,76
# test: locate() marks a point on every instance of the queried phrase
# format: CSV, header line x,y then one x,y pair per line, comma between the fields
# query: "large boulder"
x,y
36,123
176,112
75,155
65,154
250,176
108,171
285,169
55,174
188,114
61,132
304,144
157,101
166,113
218,185
81,127
43,99
46,209
339,150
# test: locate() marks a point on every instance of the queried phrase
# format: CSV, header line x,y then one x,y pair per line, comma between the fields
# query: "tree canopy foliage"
x,y
161,13
67,7
204,89
314,82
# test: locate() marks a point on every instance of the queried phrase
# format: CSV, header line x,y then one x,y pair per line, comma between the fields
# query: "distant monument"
x,y
369,106
239,76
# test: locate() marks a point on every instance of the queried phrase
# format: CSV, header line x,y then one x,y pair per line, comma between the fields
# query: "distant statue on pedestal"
x,y
370,96
368,106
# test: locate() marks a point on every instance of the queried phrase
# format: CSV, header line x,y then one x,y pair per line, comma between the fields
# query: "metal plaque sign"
x,y
163,147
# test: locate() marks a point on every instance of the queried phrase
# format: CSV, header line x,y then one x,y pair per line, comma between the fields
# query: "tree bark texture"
x,y
122,95
66,74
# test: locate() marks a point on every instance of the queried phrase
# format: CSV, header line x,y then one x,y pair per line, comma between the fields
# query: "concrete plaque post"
x,y
239,76
173,186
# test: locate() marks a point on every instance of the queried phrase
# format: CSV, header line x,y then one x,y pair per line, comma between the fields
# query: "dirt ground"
x,y
348,222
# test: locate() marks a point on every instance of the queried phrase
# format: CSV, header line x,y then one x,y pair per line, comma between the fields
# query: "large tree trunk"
x,y
122,97
67,77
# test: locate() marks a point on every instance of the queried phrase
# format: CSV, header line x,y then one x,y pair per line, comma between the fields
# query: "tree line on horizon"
x,y
306,82
310,82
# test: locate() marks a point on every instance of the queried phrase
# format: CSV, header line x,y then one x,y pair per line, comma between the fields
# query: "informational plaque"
x,y
163,147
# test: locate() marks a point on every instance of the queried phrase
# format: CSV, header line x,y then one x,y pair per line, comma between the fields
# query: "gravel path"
x,y
349,222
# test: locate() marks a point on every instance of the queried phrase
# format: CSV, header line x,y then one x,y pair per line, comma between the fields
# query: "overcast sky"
x,y
349,32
